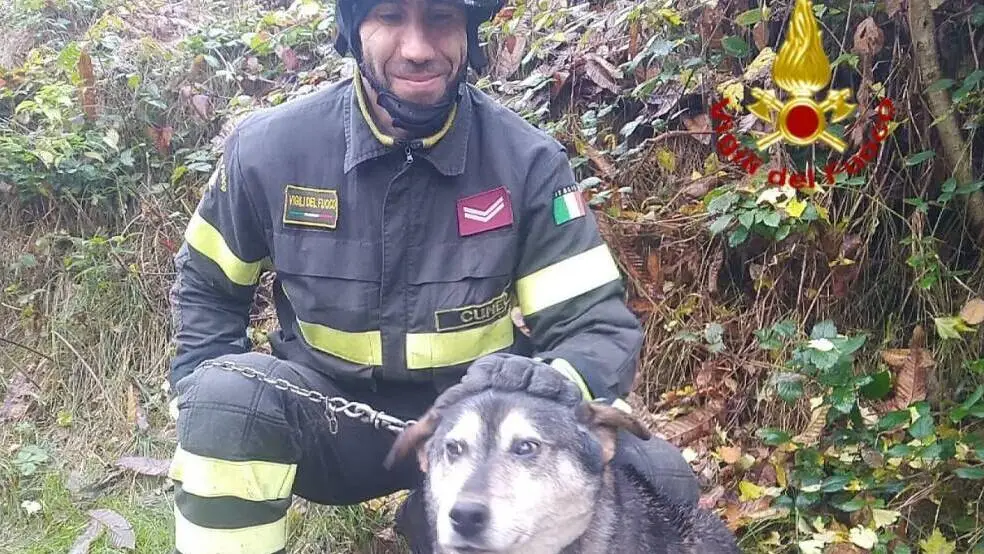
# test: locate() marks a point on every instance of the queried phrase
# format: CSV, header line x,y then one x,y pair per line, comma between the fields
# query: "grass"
x,y
146,503
90,321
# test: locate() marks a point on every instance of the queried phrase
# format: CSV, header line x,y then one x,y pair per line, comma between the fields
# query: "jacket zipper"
x,y
408,151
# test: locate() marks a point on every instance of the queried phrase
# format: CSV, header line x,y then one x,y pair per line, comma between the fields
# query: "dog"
x,y
508,472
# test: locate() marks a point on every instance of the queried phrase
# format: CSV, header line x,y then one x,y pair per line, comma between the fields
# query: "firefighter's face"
x,y
415,47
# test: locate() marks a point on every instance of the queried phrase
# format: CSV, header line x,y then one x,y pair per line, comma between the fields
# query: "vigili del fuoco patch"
x,y
472,316
312,207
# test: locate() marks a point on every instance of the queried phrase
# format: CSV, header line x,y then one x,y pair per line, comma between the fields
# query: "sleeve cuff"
x,y
568,370
565,367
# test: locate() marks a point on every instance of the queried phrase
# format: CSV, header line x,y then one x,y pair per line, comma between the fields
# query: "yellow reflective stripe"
x,y
566,279
429,350
260,539
358,347
568,370
365,347
211,477
205,238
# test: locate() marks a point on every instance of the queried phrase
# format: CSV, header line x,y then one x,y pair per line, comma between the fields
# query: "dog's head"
x,y
511,472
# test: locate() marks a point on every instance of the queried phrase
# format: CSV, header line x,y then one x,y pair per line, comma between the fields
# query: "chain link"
x,y
333,405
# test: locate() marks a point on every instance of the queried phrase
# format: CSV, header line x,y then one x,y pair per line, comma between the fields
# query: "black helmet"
x,y
350,13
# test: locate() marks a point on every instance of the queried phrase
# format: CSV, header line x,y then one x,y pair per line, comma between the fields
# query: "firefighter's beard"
x,y
418,114
421,96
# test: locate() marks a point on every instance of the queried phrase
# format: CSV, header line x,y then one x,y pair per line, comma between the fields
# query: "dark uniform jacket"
x,y
401,262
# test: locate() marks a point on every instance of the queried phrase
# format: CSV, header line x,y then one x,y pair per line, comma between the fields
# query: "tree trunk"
x,y
955,149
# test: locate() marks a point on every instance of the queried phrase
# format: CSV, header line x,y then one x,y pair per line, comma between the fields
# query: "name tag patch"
x,y
472,316
311,207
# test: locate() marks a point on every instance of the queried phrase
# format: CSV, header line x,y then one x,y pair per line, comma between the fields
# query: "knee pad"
x,y
228,415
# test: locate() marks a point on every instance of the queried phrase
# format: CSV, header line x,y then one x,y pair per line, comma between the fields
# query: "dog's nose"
x,y
469,518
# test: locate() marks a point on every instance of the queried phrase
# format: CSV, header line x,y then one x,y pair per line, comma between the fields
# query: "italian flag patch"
x,y
568,204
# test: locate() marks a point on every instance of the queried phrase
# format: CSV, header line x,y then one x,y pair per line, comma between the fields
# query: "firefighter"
x,y
404,213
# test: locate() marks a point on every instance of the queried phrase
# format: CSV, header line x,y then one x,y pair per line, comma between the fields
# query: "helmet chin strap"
x,y
417,119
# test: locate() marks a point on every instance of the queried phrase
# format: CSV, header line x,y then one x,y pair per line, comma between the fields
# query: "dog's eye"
x,y
454,449
525,447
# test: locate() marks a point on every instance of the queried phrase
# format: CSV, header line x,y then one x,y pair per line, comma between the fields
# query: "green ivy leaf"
x,y
880,385
842,399
736,46
789,386
918,158
824,330
738,236
850,345
942,84
747,219
721,223
975,473
893,419
749,18
961,411
923,426
771,219
785,328
722,203
772,437
851,505
970,188
823,360
973,78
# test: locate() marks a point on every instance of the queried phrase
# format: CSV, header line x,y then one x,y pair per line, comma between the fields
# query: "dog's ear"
x,y
605,421
413,437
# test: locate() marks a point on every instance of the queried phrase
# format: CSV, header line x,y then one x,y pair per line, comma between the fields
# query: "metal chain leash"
x,y
333,405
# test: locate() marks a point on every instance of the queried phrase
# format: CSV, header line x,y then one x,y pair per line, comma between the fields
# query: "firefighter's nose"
x,y
469,518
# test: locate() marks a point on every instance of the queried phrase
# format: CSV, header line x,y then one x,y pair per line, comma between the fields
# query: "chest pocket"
x,y
330,281
460,299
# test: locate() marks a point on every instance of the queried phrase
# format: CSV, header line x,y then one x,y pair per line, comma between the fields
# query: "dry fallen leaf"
x,y
510,56
289,57
700,187
973,311
87,90
605,167
655,269
730,454
843,548
760,34
692,426
120,531
912,366
709,500
202,105
602,72
89,536
144,466
21,395
868,38
162,138
810,436
557,82
741,514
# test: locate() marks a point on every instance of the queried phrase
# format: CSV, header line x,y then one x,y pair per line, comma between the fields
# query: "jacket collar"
x,y
446,149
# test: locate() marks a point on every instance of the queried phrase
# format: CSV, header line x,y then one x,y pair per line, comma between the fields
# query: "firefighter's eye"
x,y
526,447
454,449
